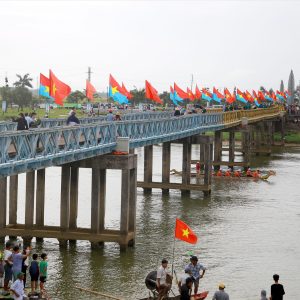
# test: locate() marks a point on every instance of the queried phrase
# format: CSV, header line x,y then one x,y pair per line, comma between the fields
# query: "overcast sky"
x,y
222,43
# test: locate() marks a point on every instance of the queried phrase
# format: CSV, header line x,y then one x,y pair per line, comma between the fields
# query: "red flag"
x,y
58,90
127,94
151,93
115,85
261,96
182,94
249,97
219,95
190,94
44,80
229,98
184,232
90,90
198,94
171,90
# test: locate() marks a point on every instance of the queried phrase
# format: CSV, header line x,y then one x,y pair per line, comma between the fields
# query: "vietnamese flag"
x,y
151,93
90,90
184,232
198,94
58,90
182,94
229,98
190,94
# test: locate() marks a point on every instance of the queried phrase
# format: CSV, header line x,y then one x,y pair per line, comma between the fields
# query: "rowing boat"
x,y
200,296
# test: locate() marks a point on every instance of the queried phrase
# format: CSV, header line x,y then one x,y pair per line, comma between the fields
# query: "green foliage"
x,y
24,81
21,96
138,96
165,97
262,89
75,97
6,94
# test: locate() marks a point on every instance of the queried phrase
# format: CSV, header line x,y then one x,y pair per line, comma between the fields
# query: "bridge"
x,y
91,145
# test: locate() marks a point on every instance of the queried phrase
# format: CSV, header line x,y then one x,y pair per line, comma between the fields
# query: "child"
x,y
17,288
34,272
43,265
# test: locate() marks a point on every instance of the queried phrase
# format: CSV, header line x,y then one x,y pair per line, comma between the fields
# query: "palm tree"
x,y
24,81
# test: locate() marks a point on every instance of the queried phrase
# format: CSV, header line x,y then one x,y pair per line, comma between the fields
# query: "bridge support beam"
x,y
186,164
217,149
148,165
40,200
3,205
166,164
13,199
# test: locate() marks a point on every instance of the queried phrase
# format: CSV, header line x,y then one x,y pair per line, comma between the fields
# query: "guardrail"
x,y
21,151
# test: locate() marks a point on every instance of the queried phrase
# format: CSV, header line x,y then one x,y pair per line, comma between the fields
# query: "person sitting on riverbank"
x,y
72,119
221,294
163,286
263,295
17,288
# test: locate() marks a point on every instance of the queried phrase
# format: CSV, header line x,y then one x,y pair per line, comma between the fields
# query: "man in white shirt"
x,y
7,266
17,288
162,284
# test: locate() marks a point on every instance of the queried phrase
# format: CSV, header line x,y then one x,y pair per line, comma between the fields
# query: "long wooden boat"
x,y
200,296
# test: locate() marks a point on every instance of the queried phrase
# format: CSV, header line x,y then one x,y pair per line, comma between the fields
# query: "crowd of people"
x,y
15,265
193,272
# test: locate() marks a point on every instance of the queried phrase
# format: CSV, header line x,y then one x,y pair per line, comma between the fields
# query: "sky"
x,y
247,44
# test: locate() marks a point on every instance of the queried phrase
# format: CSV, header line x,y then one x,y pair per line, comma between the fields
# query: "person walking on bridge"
x,y
72,119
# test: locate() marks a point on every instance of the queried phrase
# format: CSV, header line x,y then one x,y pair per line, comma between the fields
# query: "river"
x,y
247,230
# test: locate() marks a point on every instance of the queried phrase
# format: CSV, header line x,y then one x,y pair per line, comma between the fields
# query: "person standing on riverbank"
x,y
277,290
195,269
161,280
43,267
221,294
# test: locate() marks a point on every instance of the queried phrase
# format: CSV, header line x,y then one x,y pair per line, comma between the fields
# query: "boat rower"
x,y
237,173
219,173
249,173
228,173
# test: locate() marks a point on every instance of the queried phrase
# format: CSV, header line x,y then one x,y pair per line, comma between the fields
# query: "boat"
x,y
200,296
262,176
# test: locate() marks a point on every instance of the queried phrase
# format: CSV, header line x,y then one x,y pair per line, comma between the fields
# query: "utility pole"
x,y
89,72
192,81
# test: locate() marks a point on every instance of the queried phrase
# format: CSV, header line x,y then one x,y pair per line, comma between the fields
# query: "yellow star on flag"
x,y
54,89
114,90
185,232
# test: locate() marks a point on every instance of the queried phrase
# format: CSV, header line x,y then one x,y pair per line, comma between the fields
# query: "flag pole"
x,y
173,255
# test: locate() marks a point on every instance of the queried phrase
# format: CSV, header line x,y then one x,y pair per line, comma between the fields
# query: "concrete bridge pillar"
x,y
218,149
3,205
231,146
246,147
166,164
186,163
40,200
148,165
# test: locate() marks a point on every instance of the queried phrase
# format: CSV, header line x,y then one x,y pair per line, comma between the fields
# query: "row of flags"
x,y
53,88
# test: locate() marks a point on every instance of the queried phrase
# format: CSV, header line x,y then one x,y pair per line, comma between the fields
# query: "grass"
x,y
54,113
292,137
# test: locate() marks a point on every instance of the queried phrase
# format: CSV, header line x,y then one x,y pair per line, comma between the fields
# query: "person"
x,y
118,117
28,119
17,287
161,280
182,280
249,172
228,172
110,116
237,173
22,123
73,110
186,289
219,173
43,266
17,260
277,290
7,266
72,119
177,112
34,272
195,269
263,295
25,264
221,294
1,269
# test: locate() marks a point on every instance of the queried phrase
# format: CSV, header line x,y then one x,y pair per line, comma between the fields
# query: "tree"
x,y
165,97
6,95
75,97
24,81
21,96
138,96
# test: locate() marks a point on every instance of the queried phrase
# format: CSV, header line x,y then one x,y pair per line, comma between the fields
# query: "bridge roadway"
x,y
22,151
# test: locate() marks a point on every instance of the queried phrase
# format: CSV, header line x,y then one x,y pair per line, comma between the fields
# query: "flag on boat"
x,y
58,89
181,94
151,93
184,232
127,94
44,89
217,96
198,94
116,92
90,90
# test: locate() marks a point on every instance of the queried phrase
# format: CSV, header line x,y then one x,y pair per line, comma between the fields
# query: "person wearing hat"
x,y
162,284
221,294
195,269
110,116
17,288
